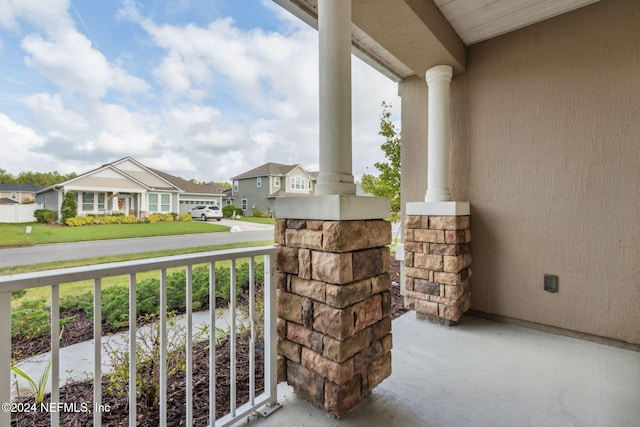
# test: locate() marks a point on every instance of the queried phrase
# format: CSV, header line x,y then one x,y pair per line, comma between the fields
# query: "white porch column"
x,y
334,27
439,134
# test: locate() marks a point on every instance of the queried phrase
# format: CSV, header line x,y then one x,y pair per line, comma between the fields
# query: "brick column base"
x,y
437,266
334,309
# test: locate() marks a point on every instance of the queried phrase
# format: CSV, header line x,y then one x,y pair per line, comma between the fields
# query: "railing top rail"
x,y
15,282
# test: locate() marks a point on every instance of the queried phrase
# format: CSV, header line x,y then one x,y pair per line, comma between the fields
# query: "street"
x,y
79,250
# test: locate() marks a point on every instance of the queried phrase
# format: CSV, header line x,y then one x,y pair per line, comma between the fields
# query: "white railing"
x,y
54,278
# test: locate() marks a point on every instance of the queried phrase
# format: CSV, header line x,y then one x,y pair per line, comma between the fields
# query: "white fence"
x,y
266,400
18,213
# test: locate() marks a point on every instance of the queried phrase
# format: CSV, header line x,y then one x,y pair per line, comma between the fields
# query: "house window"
x,y
165,203
235,185
297,183
244,204
87,201
153,203
101,200
276,181
259,181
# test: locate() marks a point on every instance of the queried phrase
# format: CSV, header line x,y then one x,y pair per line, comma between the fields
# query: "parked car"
x,y
206,212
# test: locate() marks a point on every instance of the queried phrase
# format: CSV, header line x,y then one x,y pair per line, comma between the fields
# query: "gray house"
x,y
260,187
127,186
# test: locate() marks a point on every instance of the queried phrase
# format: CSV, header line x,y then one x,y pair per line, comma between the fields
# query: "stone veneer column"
x,y
437,261
334,309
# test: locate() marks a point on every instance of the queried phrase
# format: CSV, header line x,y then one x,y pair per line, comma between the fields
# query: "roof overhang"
x,y
402,38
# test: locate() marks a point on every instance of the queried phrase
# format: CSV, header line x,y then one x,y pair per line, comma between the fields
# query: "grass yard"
x,y
78,288
258,220
15,234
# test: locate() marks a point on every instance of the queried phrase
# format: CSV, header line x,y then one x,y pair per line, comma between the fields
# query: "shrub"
x,y
239,212
69,207
158,217
147,351
184,217
259,214
78,221
228,211
31,319
45,216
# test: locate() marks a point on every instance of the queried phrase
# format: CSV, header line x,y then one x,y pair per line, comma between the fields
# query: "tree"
x,y
387,184
45,179
69,208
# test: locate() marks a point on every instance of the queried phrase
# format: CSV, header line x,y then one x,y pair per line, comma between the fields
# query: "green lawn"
x,y
15,234
258,220
77,288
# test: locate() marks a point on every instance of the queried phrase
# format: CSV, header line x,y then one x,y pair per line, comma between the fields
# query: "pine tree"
x,y
69,208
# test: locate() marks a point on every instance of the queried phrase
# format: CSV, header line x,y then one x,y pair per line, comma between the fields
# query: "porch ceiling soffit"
x,y
399,38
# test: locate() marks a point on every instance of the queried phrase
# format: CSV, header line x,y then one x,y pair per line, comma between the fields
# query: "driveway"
x,y
249,232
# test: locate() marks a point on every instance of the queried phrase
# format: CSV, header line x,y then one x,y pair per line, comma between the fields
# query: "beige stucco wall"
x,y
550,118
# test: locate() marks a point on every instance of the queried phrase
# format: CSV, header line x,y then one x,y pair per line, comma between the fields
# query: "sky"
x,y
201,89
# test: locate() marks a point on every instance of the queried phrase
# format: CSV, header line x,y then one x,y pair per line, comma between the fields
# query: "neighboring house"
x,y
127,186
19,193
259,187
7,201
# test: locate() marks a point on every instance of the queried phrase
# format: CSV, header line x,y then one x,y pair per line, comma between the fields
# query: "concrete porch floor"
x,y
482,373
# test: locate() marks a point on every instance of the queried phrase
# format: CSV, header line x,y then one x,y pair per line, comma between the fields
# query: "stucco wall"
x,y
549,117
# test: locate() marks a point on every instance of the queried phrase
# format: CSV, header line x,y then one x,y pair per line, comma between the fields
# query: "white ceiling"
x,y
478,20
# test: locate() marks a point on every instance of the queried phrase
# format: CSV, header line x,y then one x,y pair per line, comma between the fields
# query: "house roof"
x,y
169,182
276,169
188,186
7,201
27,188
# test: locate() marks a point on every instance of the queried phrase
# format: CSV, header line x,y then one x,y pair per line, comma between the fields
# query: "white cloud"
x,y
24,147
224,100
75,66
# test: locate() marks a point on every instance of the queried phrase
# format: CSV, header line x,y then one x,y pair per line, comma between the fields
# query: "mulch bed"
x,y
81,329
148,412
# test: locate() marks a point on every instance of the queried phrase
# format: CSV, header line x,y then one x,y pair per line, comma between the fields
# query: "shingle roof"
x,y
188,186
267,169
20,187
7,201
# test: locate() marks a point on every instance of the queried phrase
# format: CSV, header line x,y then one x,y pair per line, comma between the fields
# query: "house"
x,y
259,188
127,186
19,193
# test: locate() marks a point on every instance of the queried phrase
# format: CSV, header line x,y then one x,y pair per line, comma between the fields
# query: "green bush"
x,y
184,217
69,207
228,211
45,216
31,320
239,212
158,217
79,221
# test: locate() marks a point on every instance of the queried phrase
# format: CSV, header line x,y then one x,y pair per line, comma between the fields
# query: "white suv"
x,y
206,212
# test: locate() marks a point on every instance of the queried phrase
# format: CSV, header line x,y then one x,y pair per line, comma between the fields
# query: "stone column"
x,y
334,27
437,236
334,298
439,134
334,309
437,261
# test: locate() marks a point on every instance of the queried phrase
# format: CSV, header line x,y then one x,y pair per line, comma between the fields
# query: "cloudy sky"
x,y
201,89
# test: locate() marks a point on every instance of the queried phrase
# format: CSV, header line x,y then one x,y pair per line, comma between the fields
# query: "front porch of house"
x,y
483,373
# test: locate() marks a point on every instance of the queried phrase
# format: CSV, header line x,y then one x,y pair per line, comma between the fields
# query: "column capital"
x,y
439,72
